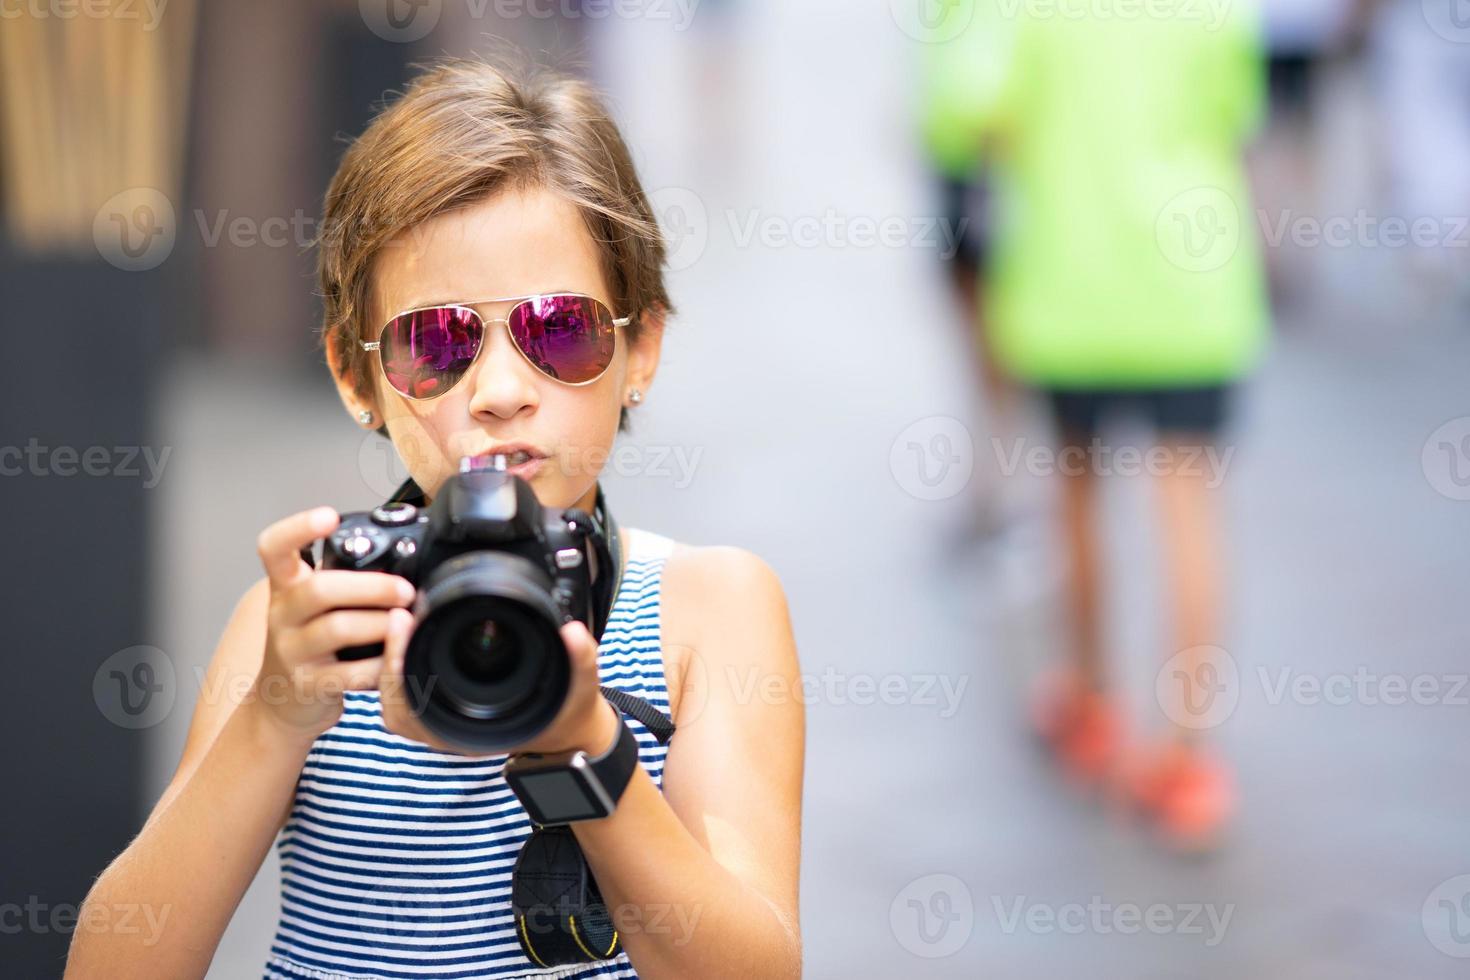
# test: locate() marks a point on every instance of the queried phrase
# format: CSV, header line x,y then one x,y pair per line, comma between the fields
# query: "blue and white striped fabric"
x,y
396,859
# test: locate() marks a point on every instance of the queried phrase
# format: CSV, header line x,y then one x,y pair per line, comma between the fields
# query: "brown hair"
x,y
462,130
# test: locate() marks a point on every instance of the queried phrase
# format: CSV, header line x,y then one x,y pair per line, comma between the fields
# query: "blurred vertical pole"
x,y
91,157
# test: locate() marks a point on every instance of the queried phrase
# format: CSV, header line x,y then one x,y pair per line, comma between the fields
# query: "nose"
x,y
503,385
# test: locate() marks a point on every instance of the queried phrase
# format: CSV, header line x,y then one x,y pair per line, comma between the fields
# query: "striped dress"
x,y
396,859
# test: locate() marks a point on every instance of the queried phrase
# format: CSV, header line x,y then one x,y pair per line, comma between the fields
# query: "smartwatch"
x,y
570,786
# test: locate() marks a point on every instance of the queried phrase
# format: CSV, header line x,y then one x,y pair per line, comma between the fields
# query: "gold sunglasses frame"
x,y
377,345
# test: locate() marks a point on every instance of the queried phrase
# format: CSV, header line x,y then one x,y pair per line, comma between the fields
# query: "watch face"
x,y
556,796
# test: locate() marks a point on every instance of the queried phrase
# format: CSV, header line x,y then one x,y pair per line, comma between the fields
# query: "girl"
x,y
482,203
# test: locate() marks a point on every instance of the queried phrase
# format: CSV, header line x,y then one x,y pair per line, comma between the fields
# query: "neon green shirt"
x,y
1124,250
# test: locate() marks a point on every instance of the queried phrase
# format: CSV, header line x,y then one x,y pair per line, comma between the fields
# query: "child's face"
x,y
512,244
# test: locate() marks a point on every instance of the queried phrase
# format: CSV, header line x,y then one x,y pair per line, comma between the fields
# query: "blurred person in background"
x,y
965,192
1419,61
1291,163
1122,275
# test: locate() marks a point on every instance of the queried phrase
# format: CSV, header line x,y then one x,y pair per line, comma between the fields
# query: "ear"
x,y
643,353
351,400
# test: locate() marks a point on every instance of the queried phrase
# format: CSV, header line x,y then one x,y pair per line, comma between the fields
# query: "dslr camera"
x,y
497,575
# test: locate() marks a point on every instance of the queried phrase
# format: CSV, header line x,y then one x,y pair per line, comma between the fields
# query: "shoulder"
x,y
726,572
714,581
728,604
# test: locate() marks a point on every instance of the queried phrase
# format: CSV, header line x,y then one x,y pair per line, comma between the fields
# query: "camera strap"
x,y
560,915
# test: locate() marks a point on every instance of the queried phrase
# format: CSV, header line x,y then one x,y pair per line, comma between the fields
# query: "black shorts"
x,y
966,205
1189,410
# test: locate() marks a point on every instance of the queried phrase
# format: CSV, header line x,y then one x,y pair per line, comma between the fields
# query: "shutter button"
x,y
358,545
395,514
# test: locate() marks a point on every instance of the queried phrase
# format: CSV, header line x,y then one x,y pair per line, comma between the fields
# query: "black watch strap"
x,y
560,914
614,768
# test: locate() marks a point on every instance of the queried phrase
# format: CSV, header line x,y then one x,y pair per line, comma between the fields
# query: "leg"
x,y
1072,708
1189,518
1187,789
1079,501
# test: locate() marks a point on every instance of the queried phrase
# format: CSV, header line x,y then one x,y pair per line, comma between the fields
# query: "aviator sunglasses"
x,y
566,336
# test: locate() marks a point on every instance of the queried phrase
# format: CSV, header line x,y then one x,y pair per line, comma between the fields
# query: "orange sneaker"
x,y
1186,791
1079,726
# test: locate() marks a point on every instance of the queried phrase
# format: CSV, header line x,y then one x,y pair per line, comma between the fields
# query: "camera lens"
x,y
486,667
485,652
487,657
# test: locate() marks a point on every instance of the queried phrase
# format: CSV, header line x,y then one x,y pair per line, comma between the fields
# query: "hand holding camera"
x,y
500,652
311,615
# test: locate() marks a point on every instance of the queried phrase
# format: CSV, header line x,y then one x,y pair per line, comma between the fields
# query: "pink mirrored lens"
x,y
427,351
570,338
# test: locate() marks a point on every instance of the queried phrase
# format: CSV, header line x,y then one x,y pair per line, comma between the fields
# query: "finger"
x,y
582,652
339,629
395,643
280,544
395,640
581,647
340,588
352,675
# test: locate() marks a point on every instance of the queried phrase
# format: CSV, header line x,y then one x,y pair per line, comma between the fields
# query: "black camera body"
x,y
497,575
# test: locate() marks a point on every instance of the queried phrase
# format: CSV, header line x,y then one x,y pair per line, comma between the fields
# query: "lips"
x,y
522,459
515,451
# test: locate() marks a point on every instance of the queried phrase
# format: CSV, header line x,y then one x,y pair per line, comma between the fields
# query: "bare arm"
x,y
187,869
269,691
702,878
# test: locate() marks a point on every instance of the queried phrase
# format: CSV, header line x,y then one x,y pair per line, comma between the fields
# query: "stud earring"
x,y
365,417
635,396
